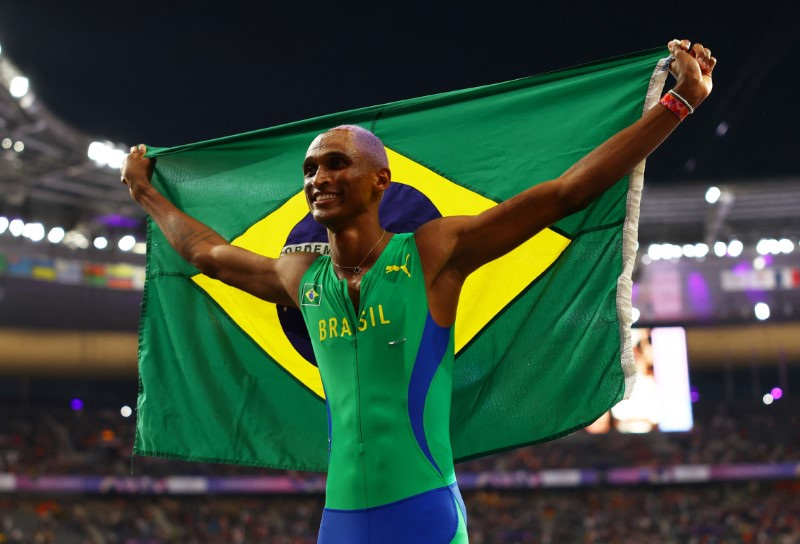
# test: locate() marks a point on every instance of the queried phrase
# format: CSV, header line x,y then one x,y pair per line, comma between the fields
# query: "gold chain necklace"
x,y
357,269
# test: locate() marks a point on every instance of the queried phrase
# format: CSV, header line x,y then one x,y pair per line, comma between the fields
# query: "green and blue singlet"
x,y
387,373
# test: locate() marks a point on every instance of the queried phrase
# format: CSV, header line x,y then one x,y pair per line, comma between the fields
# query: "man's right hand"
x,y
136,170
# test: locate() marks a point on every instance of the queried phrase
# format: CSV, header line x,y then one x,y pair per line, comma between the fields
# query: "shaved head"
x,y
368,143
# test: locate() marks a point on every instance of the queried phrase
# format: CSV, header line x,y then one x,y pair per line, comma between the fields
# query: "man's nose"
x,y
321,177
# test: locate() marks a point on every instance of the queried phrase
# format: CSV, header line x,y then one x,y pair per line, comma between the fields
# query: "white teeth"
x,y
325,196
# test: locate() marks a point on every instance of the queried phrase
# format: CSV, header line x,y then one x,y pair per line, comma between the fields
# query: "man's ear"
x,y
383,180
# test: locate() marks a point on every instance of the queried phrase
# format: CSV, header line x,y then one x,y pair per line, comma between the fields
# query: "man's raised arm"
x,y
274,280
460,245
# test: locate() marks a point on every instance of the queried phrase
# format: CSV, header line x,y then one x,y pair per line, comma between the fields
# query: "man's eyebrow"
x,y
312,159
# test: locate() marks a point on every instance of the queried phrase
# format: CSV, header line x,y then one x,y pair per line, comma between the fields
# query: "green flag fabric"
x,y
542,334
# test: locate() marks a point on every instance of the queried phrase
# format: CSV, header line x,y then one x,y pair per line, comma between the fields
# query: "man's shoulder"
x,y
293,266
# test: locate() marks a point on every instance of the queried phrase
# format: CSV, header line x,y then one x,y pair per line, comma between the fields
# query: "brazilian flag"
x,y
542,334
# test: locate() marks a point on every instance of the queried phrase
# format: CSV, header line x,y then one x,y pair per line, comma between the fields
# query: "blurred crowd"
x,y
729,513
40,441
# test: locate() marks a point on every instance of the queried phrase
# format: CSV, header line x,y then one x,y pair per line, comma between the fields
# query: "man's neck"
x,y
358,245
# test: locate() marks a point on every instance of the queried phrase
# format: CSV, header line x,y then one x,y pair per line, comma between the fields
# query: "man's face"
x,y
339,178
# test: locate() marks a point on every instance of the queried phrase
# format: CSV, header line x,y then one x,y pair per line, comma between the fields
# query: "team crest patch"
x,y
311,295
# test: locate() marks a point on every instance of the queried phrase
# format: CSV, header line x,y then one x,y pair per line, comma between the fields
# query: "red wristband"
x,y
676,106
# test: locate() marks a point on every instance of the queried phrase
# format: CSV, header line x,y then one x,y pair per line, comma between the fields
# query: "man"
x,y
380,308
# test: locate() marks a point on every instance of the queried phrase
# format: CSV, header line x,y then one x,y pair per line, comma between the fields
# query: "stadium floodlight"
x,y
126,243
688,250
735,248
767,399
635,315
76,239
3,224
759,263
19,146
720,249
140,248
713,194
33,232
116,158
16,227
18,87
104,153
125,411
7,143
762,311
655,252
99,152
101,242
785,245
55,235
700,250
673,251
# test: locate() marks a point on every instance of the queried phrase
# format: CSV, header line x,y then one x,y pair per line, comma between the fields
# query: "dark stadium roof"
x,y
168,73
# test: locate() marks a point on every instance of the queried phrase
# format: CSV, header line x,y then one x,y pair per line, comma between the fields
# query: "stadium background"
x,y
173,73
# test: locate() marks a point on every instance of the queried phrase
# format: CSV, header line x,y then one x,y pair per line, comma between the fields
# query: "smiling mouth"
x,y
325,197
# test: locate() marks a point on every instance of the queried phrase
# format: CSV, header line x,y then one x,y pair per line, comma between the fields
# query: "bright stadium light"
x,y
125,411
3,224
762,311
735,248
33,232
767,398
773,246
785,245
126,243
76,239
635,315
720,249
16,227
116,158
674,251
105,154
700,250
19,146
140,248
98,151
55,235
7,143
713,194
655,252
18,87
759,263
101,242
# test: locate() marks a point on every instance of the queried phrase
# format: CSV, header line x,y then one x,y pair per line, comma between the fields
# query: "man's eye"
x,y
309,170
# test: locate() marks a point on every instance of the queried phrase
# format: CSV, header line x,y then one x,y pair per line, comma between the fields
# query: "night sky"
x,y
171,72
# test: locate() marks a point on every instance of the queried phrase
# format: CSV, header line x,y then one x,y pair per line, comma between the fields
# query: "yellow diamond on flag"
x,y
485,294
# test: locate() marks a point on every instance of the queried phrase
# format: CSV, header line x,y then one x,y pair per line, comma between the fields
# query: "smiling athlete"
x,y
380,308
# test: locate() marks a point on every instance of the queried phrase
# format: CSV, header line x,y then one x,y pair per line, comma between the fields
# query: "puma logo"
x,y
403,267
